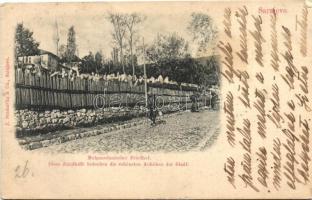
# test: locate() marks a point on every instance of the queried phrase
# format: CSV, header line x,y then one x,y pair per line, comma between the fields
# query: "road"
x,y
180,132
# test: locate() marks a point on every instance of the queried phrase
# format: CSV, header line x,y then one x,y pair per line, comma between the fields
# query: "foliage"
x,y
67,53
169,56
71,44
62,51
25,44
98,59
119,22
132,21
88,63
187,70
212,71
167,48
203,30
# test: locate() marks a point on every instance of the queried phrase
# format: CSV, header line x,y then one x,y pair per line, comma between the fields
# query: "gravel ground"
x,y
178,133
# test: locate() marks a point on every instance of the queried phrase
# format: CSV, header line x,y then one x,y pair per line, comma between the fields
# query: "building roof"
x,y
75,59
43,52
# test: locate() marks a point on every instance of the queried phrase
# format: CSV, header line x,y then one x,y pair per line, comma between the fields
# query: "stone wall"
x,y
30,122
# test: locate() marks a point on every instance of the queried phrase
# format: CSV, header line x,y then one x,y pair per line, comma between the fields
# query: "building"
x,y
45,59
49,61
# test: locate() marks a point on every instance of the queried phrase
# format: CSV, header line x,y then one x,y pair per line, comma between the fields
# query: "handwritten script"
x,y
270,66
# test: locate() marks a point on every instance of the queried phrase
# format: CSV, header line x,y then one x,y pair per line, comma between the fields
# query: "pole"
x,y
145,81
210,97
57,38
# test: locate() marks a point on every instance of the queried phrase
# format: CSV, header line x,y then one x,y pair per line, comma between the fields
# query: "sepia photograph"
x,y
156,100
117,82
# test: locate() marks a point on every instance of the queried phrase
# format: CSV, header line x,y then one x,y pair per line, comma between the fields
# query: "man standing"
x,y
152,108
194,107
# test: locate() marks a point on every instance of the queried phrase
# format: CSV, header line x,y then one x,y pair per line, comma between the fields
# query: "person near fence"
x,y
194,99
152,110
214,99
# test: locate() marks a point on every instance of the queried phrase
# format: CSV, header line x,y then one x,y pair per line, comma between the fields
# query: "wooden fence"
x,y
45,92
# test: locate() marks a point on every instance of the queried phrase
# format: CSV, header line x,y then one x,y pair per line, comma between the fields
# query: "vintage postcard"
x,y
156,100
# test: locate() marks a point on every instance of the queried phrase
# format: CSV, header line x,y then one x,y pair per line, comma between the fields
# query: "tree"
x,y
212,69
166,48
62,51
203,31
120,26
190,70
88,64
71,44
25,44
132,21
171,56
98,58
95,63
